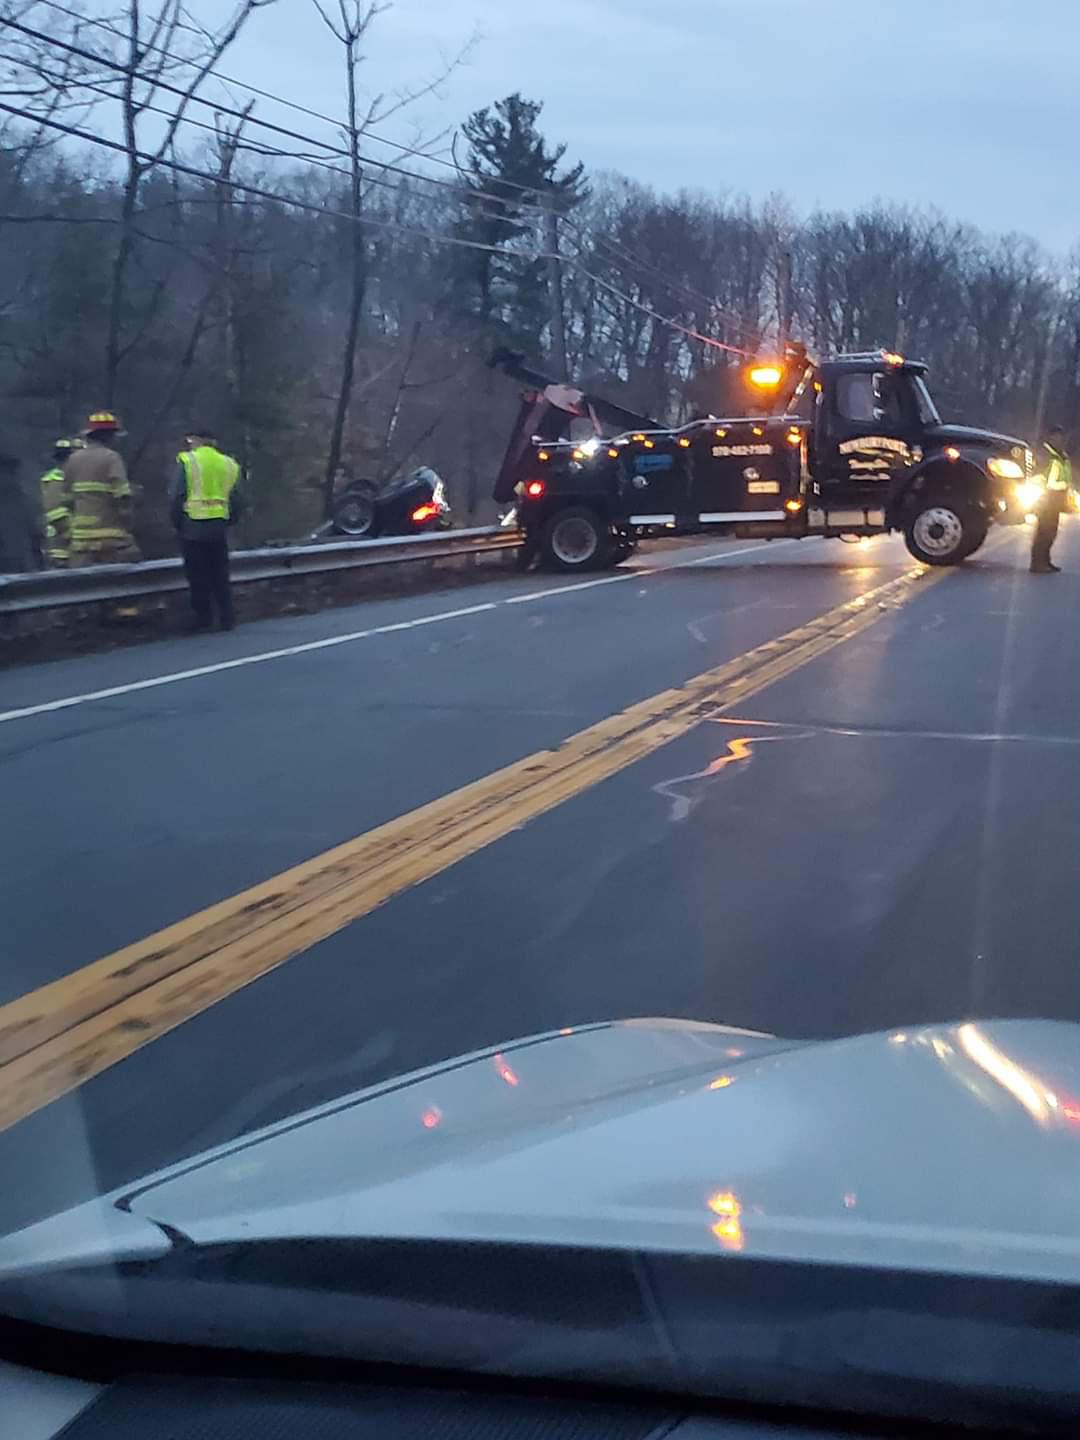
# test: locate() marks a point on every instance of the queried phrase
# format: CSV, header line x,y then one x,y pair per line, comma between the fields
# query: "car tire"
x,y
575,539
943,531
356,513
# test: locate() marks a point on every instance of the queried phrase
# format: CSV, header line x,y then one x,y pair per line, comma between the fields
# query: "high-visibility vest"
x,y
211,477
1059,471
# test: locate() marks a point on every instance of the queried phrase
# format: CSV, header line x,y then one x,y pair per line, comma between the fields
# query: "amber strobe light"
x,y
766,376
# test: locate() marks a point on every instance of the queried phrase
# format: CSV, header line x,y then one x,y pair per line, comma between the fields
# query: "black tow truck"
x,y
849,446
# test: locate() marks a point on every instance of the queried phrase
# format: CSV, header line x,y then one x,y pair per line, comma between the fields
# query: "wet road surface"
x,y
872,822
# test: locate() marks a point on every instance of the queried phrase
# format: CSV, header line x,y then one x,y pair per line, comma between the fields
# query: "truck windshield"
x,y
928,411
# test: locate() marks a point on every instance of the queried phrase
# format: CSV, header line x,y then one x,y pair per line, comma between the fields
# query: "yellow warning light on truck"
x,y
766,376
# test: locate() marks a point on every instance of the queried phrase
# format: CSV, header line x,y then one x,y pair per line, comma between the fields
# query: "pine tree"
x,y
510,175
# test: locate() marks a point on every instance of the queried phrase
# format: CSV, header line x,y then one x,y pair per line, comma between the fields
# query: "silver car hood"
x,y
943,1148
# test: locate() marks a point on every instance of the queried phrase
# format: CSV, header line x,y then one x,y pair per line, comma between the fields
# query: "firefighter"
x,y
1058,485
205,501
56,504
101,503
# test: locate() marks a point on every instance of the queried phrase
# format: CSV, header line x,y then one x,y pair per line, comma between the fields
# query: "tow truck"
x,y
848,446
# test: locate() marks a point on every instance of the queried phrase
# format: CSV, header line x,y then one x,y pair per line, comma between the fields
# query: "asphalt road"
x,y
886,834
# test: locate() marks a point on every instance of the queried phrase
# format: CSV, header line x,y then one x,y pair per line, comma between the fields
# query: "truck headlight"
x,y
1005,469
1028,495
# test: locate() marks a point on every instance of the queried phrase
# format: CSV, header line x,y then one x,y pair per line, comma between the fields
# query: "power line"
x,y
113,29
623,257
222,109
193,172
254,148
535,207
241,187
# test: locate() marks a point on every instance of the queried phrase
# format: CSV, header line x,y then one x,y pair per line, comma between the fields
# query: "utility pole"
x,y
555,295
1044,379
784,297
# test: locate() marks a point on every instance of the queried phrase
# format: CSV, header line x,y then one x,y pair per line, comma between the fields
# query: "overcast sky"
x,y
967,105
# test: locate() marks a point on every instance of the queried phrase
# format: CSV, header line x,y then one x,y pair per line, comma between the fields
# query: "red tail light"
x,y
534,489
425,512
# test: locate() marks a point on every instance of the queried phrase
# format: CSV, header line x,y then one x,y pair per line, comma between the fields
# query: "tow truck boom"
x,y
547,407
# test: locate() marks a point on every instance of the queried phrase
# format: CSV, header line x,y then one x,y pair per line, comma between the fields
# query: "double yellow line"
x,y
61,1035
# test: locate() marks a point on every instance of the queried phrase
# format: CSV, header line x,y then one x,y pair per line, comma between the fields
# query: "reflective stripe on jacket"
x,y
54,502
211,478
54,498
56,516
100,498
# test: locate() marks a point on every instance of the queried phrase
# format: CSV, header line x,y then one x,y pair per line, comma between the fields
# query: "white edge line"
x,y
581,585
738,554
238,663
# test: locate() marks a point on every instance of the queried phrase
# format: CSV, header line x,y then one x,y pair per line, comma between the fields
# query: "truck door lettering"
x,y
867,444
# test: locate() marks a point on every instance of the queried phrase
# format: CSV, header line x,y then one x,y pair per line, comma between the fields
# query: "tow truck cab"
x,y
849,446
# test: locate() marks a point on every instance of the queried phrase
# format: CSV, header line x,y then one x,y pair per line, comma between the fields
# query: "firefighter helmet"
x,y
103,422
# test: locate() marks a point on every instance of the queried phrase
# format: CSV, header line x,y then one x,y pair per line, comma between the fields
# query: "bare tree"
x,y
156,45
40,72
216,303
354,18
349,25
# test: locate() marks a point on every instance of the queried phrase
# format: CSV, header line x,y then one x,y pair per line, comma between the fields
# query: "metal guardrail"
x,y
49,589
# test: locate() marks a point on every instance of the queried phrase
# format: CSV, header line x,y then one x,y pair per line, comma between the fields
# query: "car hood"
x,y
944,1147
968,435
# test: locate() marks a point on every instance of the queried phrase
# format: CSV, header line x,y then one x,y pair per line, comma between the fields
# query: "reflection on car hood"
x,y
968,435
951,1147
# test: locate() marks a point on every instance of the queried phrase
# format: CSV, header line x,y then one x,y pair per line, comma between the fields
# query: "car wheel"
x,y
576,539
943,531
355,513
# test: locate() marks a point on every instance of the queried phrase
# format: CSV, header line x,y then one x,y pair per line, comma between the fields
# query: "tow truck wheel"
x,y
623,547
943,532
975,534
576,539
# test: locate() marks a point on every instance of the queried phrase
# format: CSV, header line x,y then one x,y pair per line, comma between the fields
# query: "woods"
x,y
329,304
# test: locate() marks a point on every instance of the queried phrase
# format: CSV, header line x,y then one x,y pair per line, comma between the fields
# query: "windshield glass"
x,y
523,740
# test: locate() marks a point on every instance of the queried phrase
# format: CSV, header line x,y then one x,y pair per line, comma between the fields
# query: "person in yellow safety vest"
x,y
101,502
204,503
1058,485
56,505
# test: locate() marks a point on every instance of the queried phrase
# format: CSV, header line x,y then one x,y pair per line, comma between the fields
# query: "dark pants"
x,y
206,563
1047,528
